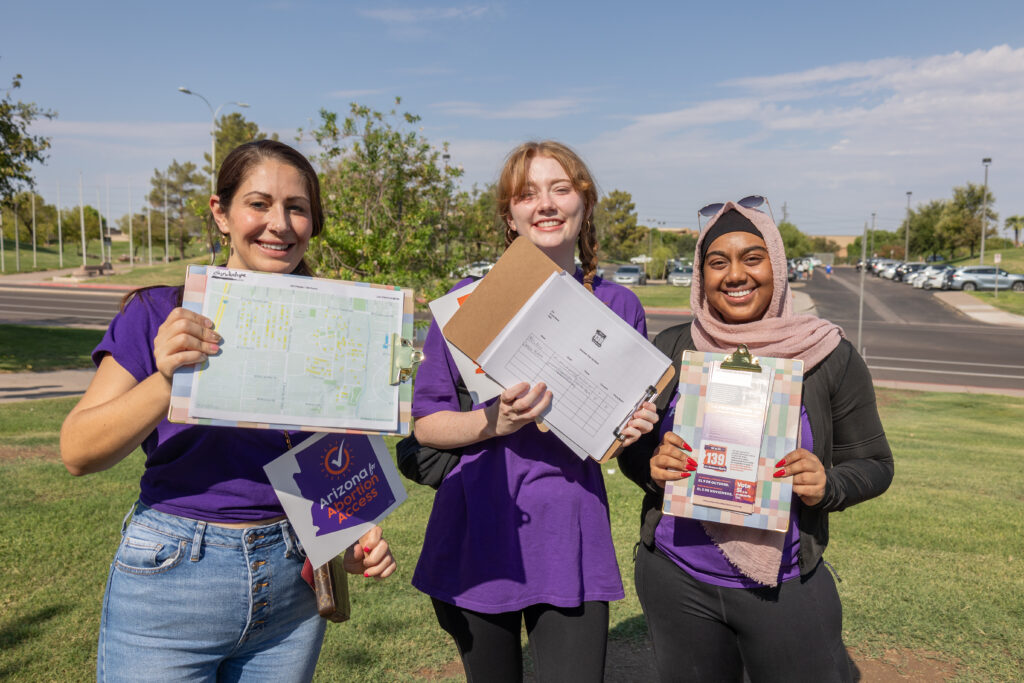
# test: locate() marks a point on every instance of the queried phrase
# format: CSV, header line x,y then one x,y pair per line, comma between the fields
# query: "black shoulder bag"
x,y
427,465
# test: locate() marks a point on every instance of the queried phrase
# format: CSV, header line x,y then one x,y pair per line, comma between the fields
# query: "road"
x,y
57,306
908,334
911,336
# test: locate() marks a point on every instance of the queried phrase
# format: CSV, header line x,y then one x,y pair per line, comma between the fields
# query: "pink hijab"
x,y
780,333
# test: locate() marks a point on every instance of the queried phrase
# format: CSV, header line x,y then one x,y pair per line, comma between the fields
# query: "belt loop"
x,y
128,517
291,542
197,541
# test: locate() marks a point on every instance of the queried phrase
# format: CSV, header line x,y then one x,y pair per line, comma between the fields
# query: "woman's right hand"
x,y
670,462
518,406
184,338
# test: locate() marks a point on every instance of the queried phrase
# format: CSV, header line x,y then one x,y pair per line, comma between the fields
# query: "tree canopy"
x,y
388,196
19,148
618,233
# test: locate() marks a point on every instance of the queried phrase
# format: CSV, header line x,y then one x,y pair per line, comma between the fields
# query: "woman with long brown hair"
x,y
206,583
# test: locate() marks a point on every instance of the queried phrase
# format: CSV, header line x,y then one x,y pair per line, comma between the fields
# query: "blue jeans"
x,y
186,600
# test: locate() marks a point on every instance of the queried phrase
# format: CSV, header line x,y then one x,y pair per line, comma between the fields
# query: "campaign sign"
x,y
334,488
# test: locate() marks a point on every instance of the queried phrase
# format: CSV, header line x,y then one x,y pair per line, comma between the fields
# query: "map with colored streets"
x,y
299,350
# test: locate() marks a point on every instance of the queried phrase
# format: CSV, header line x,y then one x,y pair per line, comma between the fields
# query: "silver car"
x,y
630,275
970,278
681,277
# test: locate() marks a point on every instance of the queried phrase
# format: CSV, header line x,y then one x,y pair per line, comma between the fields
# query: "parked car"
x,y
791,273
880,264
935,279
630,275
917,279
969,278
888,272
681,277
904,271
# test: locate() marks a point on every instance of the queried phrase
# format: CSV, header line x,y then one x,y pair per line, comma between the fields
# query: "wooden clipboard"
x,y
506,288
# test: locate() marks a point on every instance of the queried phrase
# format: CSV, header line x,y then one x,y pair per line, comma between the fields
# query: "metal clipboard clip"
x,y
648,395
404,359
741,359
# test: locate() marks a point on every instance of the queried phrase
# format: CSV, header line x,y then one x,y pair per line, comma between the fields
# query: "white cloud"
x,y
837,140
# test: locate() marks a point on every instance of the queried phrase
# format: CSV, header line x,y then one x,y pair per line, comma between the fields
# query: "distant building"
x,y
844,242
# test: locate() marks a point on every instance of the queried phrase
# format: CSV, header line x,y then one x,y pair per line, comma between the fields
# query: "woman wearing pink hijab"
x,y
720,599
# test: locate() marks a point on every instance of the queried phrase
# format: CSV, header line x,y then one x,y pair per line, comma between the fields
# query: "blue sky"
x,y
834,109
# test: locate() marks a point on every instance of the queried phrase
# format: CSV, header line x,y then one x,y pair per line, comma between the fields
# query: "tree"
x,y
474,219
960,224
19,150
233,130
185,198
1015,223
387,197
617,231
796,243
925,236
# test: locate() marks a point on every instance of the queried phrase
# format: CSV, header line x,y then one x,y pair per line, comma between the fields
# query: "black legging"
x,y
567,643
701,632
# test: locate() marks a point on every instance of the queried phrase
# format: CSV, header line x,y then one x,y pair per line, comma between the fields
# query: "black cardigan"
x,y
848,439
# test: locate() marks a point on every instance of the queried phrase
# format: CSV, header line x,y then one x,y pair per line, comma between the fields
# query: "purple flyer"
x,y
335,487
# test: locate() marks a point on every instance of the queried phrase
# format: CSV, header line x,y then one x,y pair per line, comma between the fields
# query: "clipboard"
x,y
402,361
773,497
500,296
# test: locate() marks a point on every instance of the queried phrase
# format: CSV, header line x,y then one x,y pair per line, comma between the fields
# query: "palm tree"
x,y
1015,223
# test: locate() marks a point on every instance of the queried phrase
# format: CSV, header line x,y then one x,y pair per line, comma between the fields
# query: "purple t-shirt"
x,y
685,542
209,473
521,520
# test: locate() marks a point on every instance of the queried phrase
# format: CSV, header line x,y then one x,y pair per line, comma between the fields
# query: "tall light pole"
x,y
906,247
984,209
213,132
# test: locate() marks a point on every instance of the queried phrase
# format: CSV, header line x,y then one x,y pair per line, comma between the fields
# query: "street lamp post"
x,y
213,132
906,246
984,209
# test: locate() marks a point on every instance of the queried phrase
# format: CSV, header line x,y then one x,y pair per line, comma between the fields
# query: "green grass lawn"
x,y
48,257
663,296
935,565
1011,302
24,348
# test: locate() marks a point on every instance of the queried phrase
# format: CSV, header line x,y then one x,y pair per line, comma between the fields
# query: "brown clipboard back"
x,y
506,288
616,446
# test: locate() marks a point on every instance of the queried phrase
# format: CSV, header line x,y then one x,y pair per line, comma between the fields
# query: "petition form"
x,y
596,365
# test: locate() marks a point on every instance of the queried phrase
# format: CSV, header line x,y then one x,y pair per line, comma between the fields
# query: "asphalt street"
x,y
909,337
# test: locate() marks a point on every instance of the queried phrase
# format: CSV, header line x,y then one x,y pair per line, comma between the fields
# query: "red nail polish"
x,y
366,575
366,549
690,462
684,475
781,463
779,473
686,447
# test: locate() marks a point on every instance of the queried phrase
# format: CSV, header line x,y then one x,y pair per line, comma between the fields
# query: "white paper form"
x,y
299,351
480,386
730,448
595,364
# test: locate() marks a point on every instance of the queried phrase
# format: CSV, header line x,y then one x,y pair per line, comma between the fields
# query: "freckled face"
x,y
550,211
269,221
737,277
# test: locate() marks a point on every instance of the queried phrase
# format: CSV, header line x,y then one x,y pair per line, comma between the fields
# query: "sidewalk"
x,y
978,309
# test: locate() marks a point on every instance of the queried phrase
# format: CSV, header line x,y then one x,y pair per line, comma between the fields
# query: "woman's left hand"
x,y
642,422
808,475
370,556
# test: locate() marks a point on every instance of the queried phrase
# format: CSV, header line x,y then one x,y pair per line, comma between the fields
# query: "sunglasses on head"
x,y
754,201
